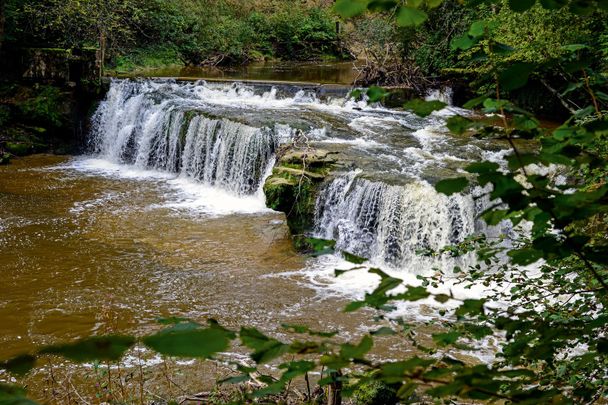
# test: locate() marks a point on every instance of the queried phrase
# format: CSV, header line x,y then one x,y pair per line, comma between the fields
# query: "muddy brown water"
x,y
83,254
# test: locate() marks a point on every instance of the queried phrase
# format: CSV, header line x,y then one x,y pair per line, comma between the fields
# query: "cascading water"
x,y
390,224
133,126
225,136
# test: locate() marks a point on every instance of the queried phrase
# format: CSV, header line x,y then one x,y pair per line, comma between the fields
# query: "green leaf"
x,y
321,246
353,258
493,217
94,348
375,94
476,101
383,331
190,342
19,365
350,8
307,330
423,108
445,339
525,256
478,28
515,76
482,167
433,3
463,42
478,331
395,372
553,4
451,186
381,5
458,124
470,307
521,5
349,351
13,395
410,17
414,294
266,348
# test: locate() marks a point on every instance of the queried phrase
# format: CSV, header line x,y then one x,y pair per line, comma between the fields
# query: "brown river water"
x,y
84,254
166,217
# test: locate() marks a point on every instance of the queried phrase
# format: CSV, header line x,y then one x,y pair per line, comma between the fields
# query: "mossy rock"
x,y
19,149
293,195
315,158
375,393
5,158
298,172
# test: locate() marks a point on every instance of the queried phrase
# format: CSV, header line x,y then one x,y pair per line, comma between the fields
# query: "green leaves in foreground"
x,y
515,76
265,348
13,395
190,340
109,348
451,186
19,365
423,108
406,16
410,17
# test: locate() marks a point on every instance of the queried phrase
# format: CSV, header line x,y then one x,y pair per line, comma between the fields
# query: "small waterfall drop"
x,y
389,224
137,126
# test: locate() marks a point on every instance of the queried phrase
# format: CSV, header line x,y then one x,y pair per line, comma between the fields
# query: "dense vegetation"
x,y
152,33
548,291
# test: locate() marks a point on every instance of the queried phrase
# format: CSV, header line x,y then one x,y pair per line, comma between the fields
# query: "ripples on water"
x,y
166,216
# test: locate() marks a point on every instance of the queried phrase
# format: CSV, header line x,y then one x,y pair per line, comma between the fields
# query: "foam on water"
x,y
391,224
179,192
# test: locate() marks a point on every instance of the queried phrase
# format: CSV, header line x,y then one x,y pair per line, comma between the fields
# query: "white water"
x,y
391,224
212,146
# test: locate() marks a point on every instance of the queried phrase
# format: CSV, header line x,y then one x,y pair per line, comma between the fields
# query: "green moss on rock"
x,y
293,186
19,149
5,158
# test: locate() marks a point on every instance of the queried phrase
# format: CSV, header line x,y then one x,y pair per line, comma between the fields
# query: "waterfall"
x,y
139,125
389,224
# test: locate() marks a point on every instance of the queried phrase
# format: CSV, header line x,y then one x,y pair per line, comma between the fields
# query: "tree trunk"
x,y
2,21
334,396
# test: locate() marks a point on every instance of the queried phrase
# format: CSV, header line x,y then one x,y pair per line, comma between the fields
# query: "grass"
x,y
145,59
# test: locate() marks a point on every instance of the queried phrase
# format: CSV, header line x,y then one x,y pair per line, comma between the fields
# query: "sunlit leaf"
x,y
424,108
375,94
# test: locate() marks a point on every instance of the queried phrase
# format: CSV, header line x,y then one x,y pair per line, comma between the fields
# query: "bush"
x,y
44,107
5,115
375,393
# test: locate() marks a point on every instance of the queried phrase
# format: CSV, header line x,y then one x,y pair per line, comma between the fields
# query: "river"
x,y
165,214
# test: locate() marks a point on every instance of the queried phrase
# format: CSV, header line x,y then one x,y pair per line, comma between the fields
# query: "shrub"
x,y
44,107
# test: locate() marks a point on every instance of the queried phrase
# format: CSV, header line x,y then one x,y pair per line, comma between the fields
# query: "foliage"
x,y
44,107
547,287
375,393
186,31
